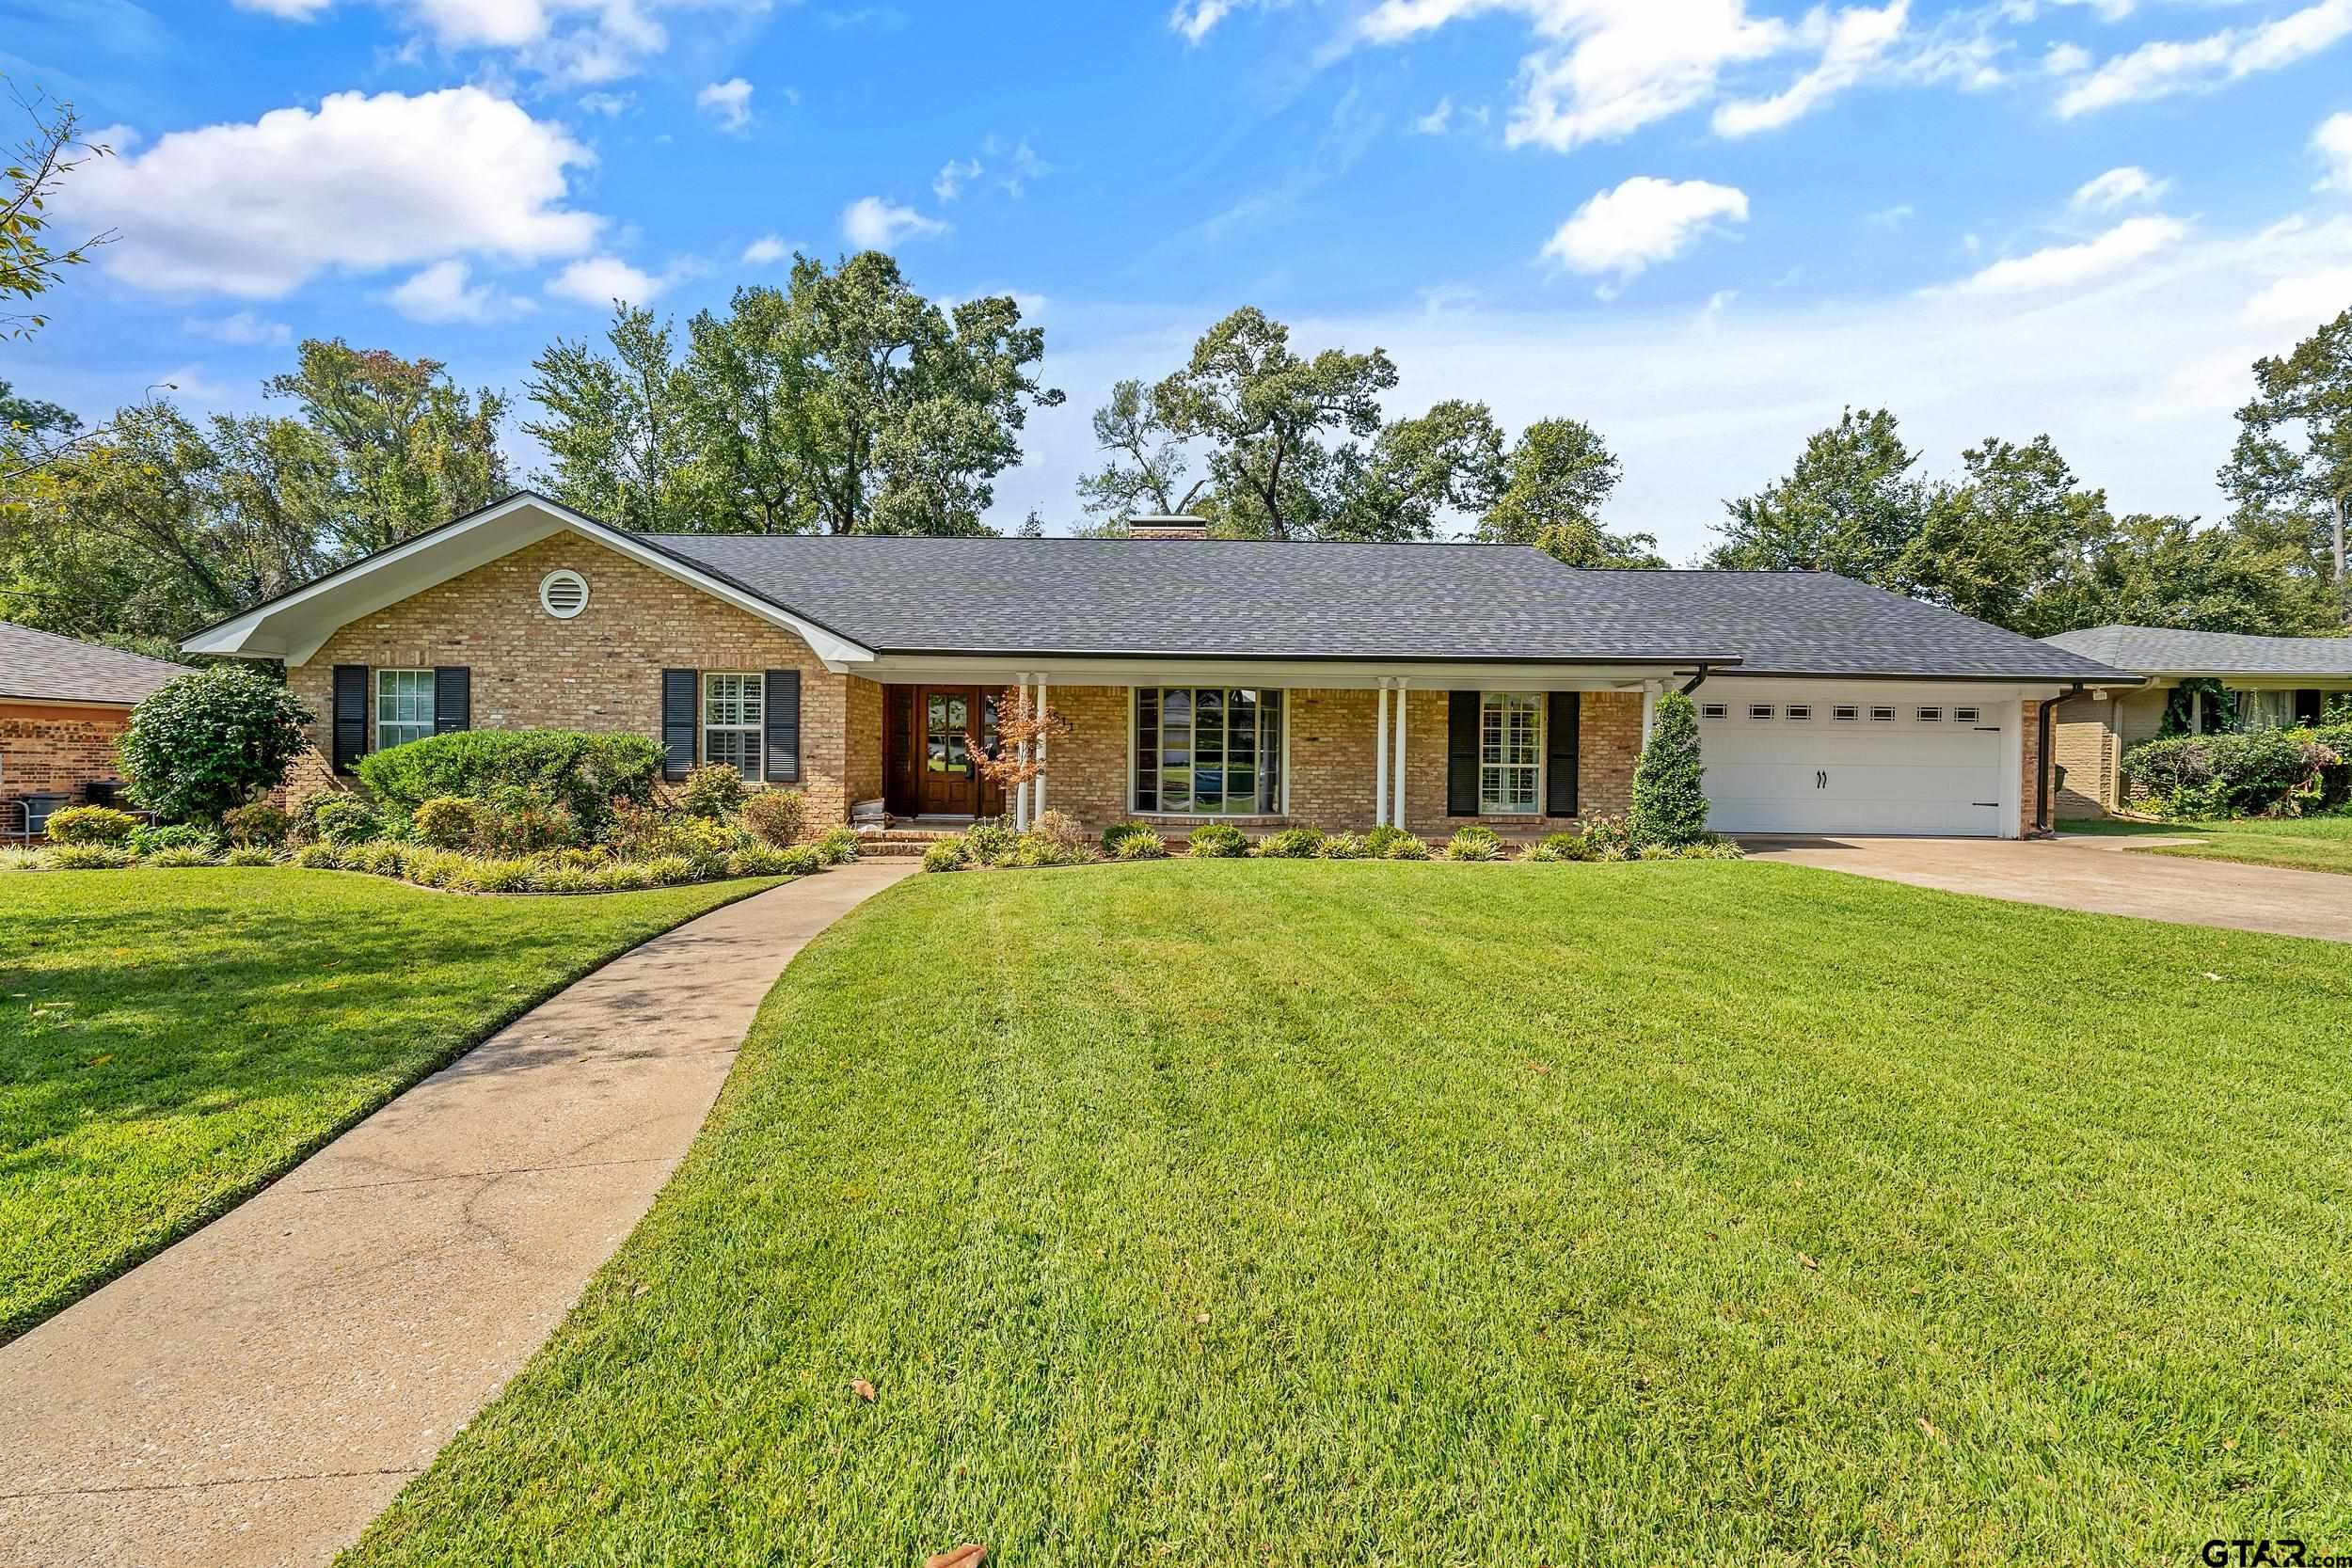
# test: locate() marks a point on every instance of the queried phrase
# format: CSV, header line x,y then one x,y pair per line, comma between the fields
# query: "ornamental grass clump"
x,y
176,856
945,854
1291,844
251,854
1113,834
88,857
840,845
1218,841
1345,847
1144,846
1474,842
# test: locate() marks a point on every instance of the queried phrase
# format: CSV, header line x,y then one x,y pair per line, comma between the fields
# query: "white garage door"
x,y
1784,764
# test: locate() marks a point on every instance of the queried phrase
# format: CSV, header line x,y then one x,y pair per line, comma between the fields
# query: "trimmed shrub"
x,y
210,740
1344,847
803,859
260,823
777,817
840,845
991,844
147,839
319,855
2254,773
523,819
715,791
1406,848
1378,842
1037,849
1145,846
944,854
1474,842
91,825
1060,830
344,819
251,854
758,860
88,857
1292,844
1607,838
448,822
1669,797
1218,841
1118,831
586,773
1564,846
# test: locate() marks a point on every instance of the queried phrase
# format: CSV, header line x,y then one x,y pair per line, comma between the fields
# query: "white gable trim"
x,y
296,627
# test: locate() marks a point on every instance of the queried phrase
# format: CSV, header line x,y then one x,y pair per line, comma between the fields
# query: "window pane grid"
x,y
1212,750
734,712
404,707
1510,753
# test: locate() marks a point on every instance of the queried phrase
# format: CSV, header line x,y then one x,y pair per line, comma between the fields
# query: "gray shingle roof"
x,y
1242,599
45,667
2161,651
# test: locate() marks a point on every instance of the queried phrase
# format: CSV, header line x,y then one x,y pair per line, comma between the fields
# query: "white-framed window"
x,y
1930,716
735,715
1845,713
1801,712
1759,710
1510,753
1209,751
1714,710
1964,716
404,707
1882,716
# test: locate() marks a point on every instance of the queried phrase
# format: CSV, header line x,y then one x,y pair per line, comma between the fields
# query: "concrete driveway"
x,y
2100,875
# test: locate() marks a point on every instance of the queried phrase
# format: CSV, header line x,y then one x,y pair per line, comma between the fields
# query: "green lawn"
x,y
172,1041
2306,842
1312,1214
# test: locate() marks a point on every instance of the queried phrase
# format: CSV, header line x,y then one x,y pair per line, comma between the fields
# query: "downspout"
x,y
2043,767
1695,681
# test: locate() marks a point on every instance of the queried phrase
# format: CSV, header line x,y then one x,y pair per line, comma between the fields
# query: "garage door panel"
x,y
1855,776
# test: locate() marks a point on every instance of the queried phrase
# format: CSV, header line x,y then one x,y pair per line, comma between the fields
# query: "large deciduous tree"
x,y
1849,506
619,431
1553,485
1990,544
31,262
2165,570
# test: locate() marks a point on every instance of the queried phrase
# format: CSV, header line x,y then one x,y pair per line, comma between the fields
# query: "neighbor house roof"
x,y
1235,598
2161,651
43,667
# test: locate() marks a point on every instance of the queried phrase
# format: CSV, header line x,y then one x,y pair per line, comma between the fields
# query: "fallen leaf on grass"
x,y
1537,1066
967,1556
1928,1427
1201,1318
862,1389
1808,1262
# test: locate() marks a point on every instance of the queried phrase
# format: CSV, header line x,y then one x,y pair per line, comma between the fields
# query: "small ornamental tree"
x,y
1021,725
1669,805
211,741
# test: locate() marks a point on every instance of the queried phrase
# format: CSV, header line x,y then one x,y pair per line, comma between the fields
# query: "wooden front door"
x,y
930,731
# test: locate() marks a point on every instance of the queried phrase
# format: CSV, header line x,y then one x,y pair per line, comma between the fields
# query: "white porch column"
x,y
1380,762
1041,747
1021,790
1397,772
1649,710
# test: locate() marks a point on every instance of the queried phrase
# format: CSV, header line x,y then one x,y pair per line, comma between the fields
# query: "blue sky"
x,y
1702,225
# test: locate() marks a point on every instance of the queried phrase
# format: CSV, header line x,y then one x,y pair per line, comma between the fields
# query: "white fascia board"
x,y
294,627
1318,675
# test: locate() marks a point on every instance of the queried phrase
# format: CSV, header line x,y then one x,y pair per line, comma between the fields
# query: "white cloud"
x,y
609,104
952,174
1194,18
871,223
601,279
244,330
2117,187
1437,120
2303,302
445,291
1642,221
2108,11
361,184
2333,141
2066,60
1855,42
2063,265
2162,69
769,250
579,40
289,10
729,102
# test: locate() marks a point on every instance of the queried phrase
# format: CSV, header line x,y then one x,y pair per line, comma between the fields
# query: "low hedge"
x,y
582,772
2244,773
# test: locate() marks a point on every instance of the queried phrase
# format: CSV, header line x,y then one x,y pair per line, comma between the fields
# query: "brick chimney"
x,y
1168,527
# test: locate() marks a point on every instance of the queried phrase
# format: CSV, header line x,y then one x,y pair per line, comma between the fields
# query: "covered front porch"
x,y
1340,748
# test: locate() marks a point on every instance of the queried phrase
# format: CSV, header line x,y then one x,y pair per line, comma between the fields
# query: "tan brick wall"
x,y
2084,748
2030,768
55,749
1333,766
600,671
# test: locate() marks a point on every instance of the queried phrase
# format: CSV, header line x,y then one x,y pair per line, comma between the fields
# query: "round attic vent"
x,y
563,594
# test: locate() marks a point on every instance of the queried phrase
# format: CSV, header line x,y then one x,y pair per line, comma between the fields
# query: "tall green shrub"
x,y
211,741
585,772
1669,802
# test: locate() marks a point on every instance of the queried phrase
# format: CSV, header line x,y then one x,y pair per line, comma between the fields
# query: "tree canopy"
x,y
2292,464
31,262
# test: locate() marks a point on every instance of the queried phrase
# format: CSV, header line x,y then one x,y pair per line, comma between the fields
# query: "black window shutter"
x,y
452,698
784,726
1560,726
679,701
351,715
1461,753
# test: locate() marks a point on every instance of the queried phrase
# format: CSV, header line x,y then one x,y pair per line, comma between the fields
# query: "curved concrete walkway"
x,y
2099,874
257,1393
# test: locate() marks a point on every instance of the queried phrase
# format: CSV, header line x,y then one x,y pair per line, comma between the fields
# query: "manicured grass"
x,y
1246,1213
172,1041
2306,842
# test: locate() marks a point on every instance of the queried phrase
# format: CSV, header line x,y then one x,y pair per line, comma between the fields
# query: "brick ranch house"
x,y
1331,685
63,704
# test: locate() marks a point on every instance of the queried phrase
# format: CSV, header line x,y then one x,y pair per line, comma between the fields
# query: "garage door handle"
x,y
1821,779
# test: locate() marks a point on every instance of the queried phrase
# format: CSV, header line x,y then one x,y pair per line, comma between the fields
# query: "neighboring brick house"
x,y
62,704
1333,685
2264,683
